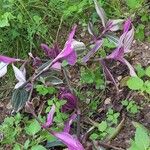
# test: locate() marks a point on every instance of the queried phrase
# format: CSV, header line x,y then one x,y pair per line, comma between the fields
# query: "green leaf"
x,y
140,33
142,140
38,147
19,98
42,90
147,86
107,43
135,83
33,127
102,126
125,103
140,71
16,147
4,19
147,72
94,136
26,144
133,4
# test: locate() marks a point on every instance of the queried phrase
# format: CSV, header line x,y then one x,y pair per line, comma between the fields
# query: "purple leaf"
x,y
91,28
49,118
68,52
7,60
71,142
70,98
96,47
114,25
117,54
56,66
132,72
128,41
101,13
108,74
51,52
3,69
127,25
36,61
124,45
69,122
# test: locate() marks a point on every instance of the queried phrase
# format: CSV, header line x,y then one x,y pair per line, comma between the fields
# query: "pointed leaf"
x,y
69,122
3,69
108,74
20,76
101,13
7,60
96,47
71,142
49,118
115,25
131,69
68,52
19,98
91,28
128,41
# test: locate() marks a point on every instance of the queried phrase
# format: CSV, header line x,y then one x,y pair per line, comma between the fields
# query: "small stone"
x,y
107,101
146,47
134,41
88,100
82,34
119,78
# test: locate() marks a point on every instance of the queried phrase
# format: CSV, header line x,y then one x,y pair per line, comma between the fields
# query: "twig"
x,y
117,130
78,122
87,134
106,145
30,94
61,20
67,80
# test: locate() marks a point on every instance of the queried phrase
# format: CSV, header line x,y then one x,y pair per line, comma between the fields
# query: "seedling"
x,y
112,117
131,106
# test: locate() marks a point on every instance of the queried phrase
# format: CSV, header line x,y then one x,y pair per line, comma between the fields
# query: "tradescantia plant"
x,y
123,44
24,88
68,53
64,136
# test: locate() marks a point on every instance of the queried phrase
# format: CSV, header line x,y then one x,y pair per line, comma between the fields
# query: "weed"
x,y
131,106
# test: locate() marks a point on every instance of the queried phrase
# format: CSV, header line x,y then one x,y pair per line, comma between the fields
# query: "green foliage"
x,y
140,83
140,71
33,127
147,71
43,90
38,147
135,83
17,127
112,117
60,117
134,4
24,24
106,127
141,140
10,129
140,32
92,76
131,106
